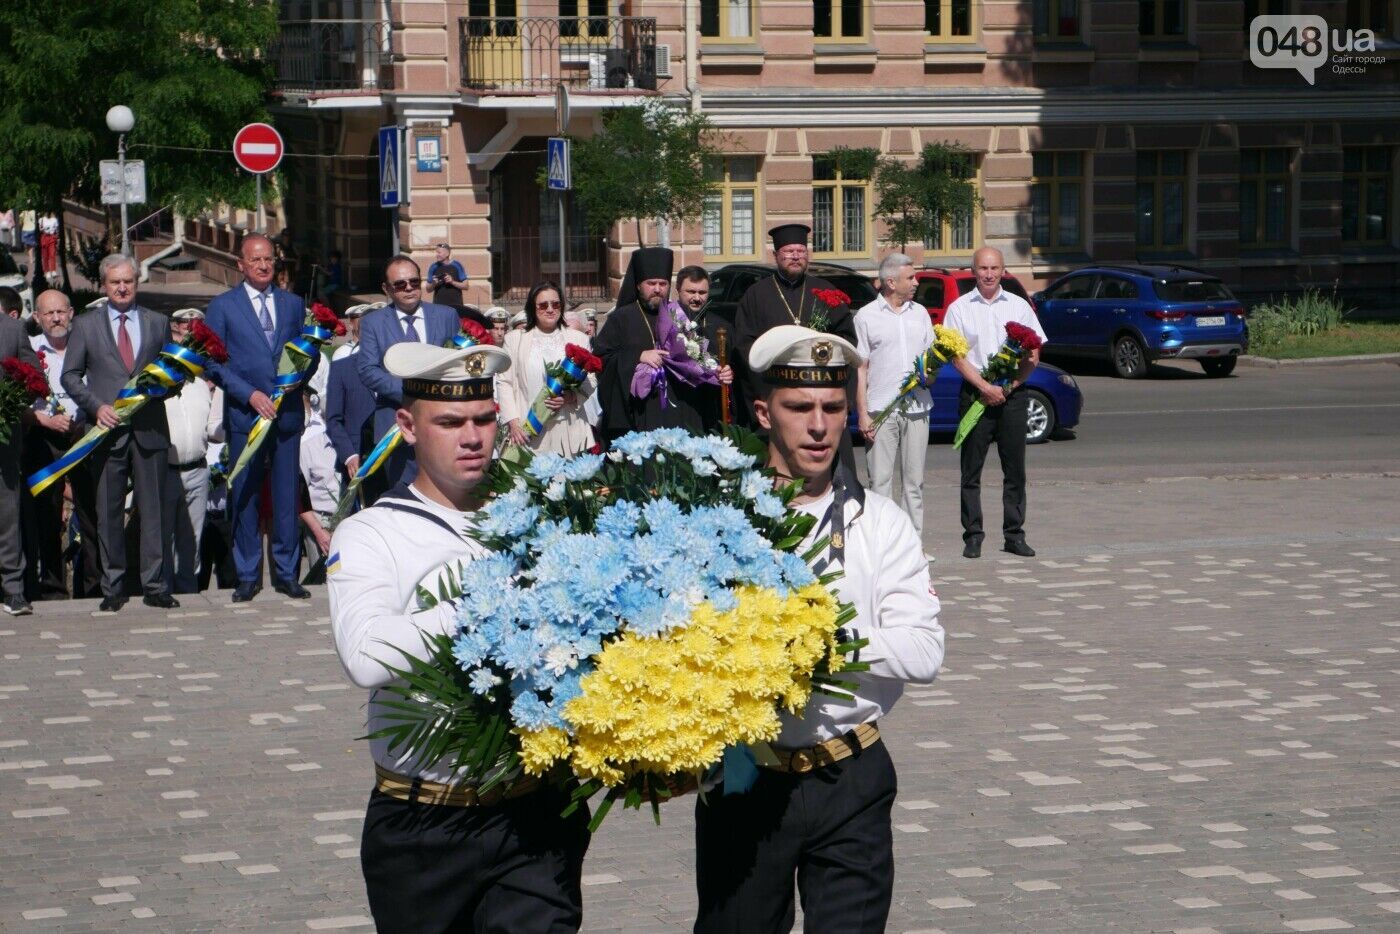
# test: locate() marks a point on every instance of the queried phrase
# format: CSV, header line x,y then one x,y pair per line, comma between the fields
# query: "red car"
x,y
938,288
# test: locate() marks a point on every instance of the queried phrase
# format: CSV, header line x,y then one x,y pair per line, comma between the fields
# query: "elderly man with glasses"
x,y
407,318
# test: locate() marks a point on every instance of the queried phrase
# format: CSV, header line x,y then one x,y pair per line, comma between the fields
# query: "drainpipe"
x,y
692,55
177,243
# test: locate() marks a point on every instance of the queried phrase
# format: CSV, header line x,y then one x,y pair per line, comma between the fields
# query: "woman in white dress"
x,y
542,342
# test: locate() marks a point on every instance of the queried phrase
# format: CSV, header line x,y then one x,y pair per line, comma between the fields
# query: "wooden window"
x,y
838,20
572,26
730,221
727,20
1366,194
1161,199
840,210
950,20
1265,188
1057,20
960,234
1162,19
1057,200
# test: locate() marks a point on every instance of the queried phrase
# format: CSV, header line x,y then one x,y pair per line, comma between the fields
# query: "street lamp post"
x,y
120,120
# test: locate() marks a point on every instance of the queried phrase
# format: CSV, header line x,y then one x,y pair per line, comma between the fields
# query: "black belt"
x,y
190,465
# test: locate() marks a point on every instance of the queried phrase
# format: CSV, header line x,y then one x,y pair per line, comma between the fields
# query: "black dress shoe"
x,y
112,604
1019,548
292,589
161,601
972,550
245,591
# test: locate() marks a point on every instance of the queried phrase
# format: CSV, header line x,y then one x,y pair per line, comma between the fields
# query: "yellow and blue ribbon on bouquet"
x,y
157,379
383,448
554,386
299,352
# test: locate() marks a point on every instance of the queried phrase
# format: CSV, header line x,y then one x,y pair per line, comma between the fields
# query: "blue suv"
x,y
1136,314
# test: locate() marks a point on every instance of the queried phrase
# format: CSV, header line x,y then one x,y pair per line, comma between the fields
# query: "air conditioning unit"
x,y
597,71
663,60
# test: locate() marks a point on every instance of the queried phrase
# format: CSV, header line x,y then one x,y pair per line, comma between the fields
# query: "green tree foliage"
x,y
190,70
914,199
646,162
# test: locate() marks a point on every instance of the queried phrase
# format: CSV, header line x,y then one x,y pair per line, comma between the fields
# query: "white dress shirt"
x,y
196,418
318,465
53,369
133,326
890,340
886,580
253,296
378,558
983,322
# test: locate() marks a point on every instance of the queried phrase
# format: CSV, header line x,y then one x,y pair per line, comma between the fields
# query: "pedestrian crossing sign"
x,y
557,163
390,167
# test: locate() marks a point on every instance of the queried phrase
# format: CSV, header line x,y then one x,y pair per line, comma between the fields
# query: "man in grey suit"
x,y
13,343
110,344
408,318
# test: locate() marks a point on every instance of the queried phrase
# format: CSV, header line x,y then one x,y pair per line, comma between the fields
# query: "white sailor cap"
x,y
790,355
519,318
355,311
497,313
446,374
588,314
96,302
187,314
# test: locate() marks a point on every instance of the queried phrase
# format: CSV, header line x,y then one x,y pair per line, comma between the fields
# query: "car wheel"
x,y
1219,366
1129,359
1040,417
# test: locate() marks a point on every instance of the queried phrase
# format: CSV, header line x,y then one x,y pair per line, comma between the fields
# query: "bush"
x,y
1296,315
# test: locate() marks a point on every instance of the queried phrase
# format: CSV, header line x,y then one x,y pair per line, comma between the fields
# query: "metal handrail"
x,y
333,55
585,52
156,213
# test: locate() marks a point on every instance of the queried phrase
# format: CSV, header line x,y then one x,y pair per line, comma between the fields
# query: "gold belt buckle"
x,y
801,762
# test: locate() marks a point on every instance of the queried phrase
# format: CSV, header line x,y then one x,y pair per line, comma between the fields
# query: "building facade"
x,y
1095,130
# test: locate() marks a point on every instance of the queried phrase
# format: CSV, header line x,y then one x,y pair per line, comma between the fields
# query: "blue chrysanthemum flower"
x,y
483,680
769,506
546,466
529,712
618,520
662,513
470,649
582,467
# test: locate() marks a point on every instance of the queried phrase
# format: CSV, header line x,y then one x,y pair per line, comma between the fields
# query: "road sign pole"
x,y
121,171
394,231
563,252
258,216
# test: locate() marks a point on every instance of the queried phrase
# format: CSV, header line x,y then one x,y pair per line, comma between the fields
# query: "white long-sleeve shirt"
x,y
378,558
196,418
886,579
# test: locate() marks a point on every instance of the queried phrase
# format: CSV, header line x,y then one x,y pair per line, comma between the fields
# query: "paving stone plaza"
x,y
1148,728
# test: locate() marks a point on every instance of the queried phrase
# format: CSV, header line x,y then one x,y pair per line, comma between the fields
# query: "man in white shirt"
x,y
819,811
981,316
318,470
436,855
196,417
891,332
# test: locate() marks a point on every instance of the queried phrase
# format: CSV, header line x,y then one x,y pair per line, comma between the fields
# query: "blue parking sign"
x,y
557,163
390,167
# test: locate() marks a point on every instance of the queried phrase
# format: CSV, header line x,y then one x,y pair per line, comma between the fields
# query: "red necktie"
x,y
124,345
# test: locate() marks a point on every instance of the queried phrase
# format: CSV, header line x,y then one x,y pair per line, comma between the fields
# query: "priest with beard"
x,y
790,296
648,381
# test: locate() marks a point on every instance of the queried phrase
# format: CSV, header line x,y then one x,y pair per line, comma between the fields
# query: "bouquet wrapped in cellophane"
x,y
948,345
471,335
1000,370
642,614
319,327
21,385
173,365
565,376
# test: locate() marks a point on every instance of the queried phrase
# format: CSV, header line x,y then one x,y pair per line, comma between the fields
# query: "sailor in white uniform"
x,y
819,812
436,855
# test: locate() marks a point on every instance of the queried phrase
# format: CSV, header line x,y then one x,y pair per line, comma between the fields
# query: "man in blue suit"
x,y
349,411
408,318
255,319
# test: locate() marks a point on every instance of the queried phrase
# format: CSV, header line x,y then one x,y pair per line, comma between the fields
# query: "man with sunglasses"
x,y
407,318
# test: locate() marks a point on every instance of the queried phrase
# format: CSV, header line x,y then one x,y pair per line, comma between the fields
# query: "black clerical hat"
x,y
649,262
788,234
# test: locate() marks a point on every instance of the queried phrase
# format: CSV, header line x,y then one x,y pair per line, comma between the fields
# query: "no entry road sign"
x,y
258,148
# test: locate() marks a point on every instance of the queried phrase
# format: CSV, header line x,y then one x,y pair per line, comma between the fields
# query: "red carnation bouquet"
x,y
831,298
318,328
203,341
475,333
1000,370
21,387
565,376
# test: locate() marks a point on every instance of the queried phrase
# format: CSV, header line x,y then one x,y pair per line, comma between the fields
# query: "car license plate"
x,y
1215,321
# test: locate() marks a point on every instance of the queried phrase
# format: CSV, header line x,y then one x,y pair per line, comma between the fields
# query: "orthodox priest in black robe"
x,y
789,296
647,381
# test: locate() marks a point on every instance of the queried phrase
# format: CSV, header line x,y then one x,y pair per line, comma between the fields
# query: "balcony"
x,y
319,55
538,53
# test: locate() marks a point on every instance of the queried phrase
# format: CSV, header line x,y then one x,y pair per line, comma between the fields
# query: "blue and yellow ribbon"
x,y
173,365
554,385
297,355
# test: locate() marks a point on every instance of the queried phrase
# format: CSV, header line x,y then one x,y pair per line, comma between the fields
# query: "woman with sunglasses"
x,y
542,343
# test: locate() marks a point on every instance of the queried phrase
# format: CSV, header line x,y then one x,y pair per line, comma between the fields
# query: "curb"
x,y
1354,360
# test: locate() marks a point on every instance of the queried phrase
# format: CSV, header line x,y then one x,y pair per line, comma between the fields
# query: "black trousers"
x,y
45,570
829,828
1006,425
514,868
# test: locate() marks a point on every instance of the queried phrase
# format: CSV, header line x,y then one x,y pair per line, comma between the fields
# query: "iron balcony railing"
x,y
540,52
333,55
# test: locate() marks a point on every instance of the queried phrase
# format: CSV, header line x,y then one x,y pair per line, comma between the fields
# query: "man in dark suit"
x,y
110,344
408,318
349,414
255,319
13,343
